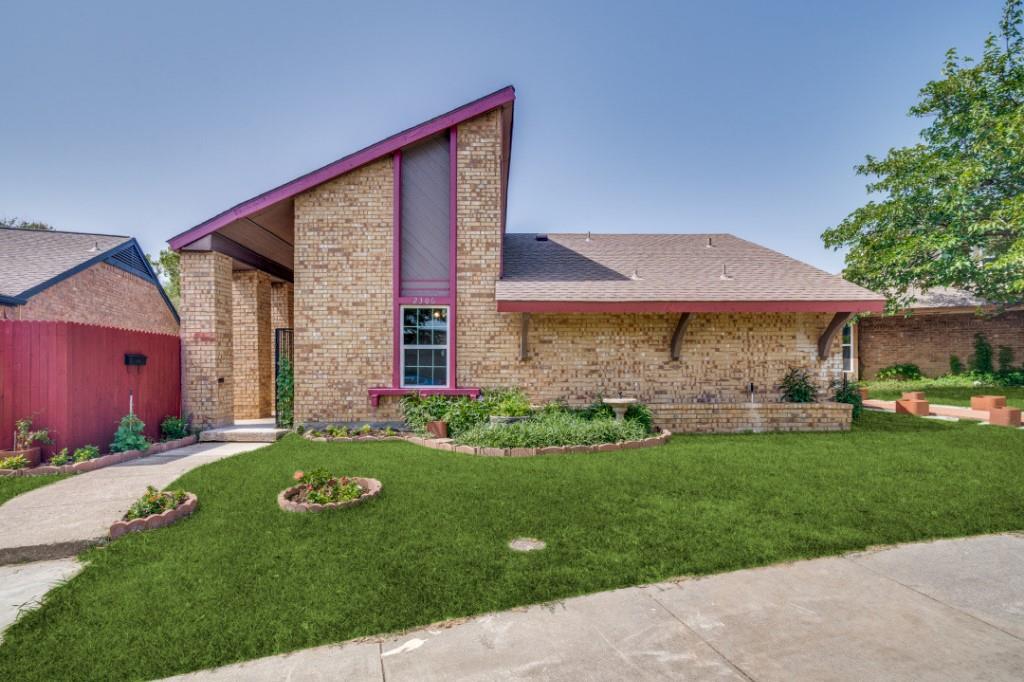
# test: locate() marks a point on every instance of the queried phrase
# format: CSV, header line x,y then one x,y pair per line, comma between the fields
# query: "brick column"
x,y
206,337
254,392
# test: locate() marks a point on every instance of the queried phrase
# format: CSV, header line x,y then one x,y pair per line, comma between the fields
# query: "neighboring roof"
x,y
944,297
505,96
673,272
32,261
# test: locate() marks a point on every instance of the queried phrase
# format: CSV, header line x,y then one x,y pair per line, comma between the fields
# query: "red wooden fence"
x,y
72,379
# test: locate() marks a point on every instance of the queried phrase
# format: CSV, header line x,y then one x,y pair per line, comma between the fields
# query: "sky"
x,y
147,118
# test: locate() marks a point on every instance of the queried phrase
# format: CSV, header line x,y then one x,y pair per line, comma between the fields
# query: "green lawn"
x,y
16,485
241,579
943,395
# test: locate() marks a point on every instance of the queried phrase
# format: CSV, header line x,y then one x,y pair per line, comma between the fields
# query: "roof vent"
x,y
710,245
725,273
541,237
95,248
635,275
588,239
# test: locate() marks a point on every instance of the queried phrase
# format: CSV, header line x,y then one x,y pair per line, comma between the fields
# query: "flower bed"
x,y
345,434
93,463
320,490
451,446
155,509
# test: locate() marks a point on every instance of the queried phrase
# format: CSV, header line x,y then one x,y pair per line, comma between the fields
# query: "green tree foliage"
x,y
952,207
20,224
168,268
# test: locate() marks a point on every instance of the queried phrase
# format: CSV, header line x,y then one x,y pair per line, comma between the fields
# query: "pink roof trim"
x,y
801,306
345,164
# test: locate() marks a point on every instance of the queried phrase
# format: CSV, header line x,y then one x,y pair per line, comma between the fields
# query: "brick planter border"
x,y
100,462
446,444
166,518
371,488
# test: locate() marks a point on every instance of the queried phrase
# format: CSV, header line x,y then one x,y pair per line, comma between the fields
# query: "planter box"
x,y
160,520
371,488
31,454
437,429
987,402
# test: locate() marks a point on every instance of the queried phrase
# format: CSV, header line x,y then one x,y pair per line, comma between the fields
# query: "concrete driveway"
x,y
945,610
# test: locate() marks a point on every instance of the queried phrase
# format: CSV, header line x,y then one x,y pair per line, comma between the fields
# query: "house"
x,y
97,279
942,322
401,278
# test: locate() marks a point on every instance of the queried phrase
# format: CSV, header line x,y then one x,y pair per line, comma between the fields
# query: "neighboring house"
x,y
940,323
402,279
77,277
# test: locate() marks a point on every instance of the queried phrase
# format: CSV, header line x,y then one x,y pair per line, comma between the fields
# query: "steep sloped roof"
x,y
666,272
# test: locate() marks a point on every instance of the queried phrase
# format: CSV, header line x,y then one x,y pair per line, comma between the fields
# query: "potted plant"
x,y
24,439
437,428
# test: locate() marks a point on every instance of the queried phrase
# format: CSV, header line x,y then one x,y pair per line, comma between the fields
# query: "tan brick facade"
x,y
343,312
927,340
101,294
207,337
756,417
251,342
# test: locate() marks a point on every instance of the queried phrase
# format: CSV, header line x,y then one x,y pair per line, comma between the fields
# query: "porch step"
x,y
242,434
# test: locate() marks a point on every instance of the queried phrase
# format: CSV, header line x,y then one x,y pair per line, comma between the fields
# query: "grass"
x,y
241,579
11,486
943,395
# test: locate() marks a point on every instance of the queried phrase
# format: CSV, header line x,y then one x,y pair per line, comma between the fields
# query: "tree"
x,y
24,224
168,268
953,208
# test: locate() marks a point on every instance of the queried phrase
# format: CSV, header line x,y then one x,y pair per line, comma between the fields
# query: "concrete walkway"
x,y
22,587
61,519
946,610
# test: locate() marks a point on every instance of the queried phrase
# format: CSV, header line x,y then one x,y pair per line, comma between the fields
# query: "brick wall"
x,y
251,336
927,340
343,313
757,417
103,295
206,337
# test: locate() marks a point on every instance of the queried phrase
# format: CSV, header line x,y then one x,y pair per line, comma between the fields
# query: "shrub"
x,y
61,458
174,428
551,428
285,393
24,436
129,435
155,502
337,431
460,413
798,387
365,430
14,462
903,372
86,452
981,360
641,414
955,366
1005,359
509,402
320,486
845,391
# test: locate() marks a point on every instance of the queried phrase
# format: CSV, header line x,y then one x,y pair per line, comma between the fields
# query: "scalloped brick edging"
x,y
447,445
371,488
100,462
348,439
166,518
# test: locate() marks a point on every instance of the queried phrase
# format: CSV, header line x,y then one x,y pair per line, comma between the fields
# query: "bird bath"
x,y
619,406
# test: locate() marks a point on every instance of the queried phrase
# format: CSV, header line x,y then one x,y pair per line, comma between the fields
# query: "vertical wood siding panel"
x,y
425,214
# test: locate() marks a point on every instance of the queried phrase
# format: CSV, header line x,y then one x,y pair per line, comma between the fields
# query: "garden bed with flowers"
x,y
155,509
320,490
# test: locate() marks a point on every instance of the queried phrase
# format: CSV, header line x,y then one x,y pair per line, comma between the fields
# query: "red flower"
x,y
298,475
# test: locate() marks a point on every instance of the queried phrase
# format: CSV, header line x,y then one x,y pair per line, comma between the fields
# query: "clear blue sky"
x,y
146,118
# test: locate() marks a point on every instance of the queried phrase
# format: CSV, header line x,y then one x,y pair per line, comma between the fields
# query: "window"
x,y
849,364
424,346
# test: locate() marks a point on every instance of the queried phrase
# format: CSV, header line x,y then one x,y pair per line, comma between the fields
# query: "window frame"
x,y
852,345
446,347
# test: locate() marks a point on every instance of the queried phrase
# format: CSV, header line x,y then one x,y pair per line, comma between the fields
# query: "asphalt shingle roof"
x,y
29,258
668,267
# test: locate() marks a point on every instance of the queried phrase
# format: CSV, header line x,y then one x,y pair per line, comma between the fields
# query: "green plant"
x,y
13,462
955,366
155,502
390,432
300,429
337,431
60,458
797,386
641,414
85,453
460,413
900,372
509,402
320,486
285,393
846,391
554,428
1005,359
24,436
365,430
173,427
981,360
129,435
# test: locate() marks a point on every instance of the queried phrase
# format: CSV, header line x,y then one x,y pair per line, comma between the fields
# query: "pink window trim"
x,y
396,275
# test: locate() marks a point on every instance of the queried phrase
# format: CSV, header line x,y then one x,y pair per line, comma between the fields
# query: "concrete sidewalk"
x,y
62,519
946,610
